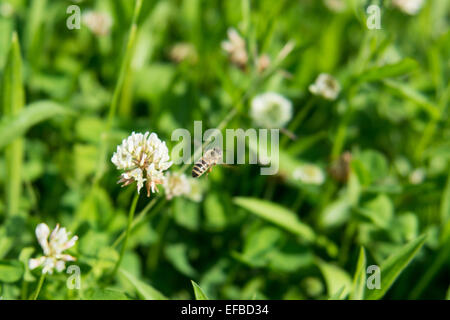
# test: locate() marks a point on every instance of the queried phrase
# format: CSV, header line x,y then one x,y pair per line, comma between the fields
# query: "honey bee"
x,y
210,158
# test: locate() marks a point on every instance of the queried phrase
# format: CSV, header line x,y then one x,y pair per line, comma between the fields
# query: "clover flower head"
x,y
53,244
411,7
6,10
235,46
326,86
144,158
99,22
176,184
309,174
417,176
335,5
270,110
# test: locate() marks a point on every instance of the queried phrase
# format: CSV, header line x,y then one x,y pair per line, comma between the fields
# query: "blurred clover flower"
x,y
263,63
417,176
196,192
326,86
178,184
53,248
183,51
144,157
6,10
309,174
175,185
335,5
99,22
411,7
236,48
270,110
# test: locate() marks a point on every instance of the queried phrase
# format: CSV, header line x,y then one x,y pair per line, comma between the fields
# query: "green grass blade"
x,y
445,202
199,294
124,71
14,127
394,265
387,71
277,215
144,290
12,101
125,65
410,93
359,279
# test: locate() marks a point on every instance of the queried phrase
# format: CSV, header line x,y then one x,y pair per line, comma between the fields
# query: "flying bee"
x,y
210,158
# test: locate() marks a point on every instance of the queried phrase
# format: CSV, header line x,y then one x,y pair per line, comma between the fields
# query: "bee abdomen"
x,y
199,168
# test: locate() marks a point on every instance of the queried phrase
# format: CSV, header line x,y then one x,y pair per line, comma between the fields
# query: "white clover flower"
x,y
53,248
235,46
271,110
144,157
326,86
417,176
411,7
99,22
309,174
176,184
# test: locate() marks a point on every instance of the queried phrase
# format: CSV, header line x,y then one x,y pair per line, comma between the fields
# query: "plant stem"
x,y
39,287
140,217
300,116
127,234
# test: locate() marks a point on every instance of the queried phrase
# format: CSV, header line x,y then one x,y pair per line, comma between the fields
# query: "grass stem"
x,y
39,287
127,234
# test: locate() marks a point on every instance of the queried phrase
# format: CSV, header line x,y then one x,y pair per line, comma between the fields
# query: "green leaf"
x,y
336,213
24,256
10,270
199,294
12,128
359,279
379,210
276,214
339,295
336,279
394,265
105,294
410,93
144,290
177,254
12,99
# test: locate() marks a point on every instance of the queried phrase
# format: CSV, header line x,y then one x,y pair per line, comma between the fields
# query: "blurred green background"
x,y
72,95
